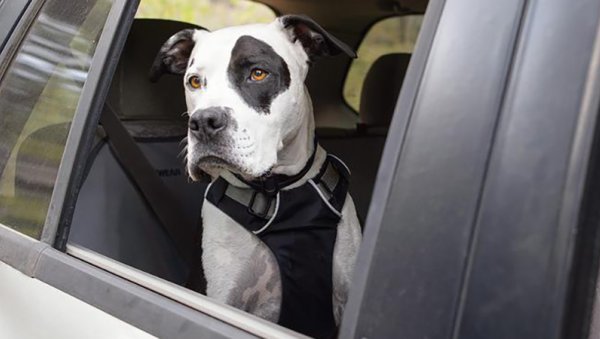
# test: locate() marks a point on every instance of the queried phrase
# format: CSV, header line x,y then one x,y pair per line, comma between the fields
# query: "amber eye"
x,y
195,82
258,74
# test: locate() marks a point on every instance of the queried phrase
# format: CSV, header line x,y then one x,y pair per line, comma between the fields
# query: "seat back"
x,y
131,95
361,149
380,89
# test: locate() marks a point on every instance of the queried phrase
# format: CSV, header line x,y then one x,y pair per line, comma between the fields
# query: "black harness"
x,y
299,225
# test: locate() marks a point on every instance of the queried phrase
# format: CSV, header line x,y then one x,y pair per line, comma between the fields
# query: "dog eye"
x,y
195,82
258,74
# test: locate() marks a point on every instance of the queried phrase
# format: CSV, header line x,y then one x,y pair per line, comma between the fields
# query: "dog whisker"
x,y
182,152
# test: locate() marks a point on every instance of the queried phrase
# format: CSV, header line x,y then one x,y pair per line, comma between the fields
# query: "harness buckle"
x,y
264,214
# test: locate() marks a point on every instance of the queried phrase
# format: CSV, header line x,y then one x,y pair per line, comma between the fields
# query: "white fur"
x,y
229,255
345,250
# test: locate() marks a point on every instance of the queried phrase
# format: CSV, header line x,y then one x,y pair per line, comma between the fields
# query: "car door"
x,y
481,222
44,67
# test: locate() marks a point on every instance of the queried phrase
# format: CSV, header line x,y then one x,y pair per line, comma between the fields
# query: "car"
x,y
475,158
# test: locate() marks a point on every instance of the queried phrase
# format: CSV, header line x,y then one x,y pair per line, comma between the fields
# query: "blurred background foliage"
x,y
210,14
392,35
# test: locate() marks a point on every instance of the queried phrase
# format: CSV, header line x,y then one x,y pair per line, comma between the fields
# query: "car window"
x,y
38,98
209,14
392,35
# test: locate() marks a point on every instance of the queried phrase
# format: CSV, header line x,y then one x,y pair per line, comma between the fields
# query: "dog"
x,y
280,231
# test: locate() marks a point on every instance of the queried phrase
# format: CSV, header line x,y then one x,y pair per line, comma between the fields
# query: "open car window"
x,y
116,227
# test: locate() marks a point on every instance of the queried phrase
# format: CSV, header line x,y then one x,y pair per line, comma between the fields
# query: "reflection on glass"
x,y
38,97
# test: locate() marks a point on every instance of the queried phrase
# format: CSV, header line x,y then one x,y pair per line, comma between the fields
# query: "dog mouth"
x,y
212,165
214,161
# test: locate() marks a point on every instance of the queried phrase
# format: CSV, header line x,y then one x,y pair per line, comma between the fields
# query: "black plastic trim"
x,y
389,160
584,279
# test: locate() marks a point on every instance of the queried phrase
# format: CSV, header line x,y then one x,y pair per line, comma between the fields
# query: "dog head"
x,y
245,92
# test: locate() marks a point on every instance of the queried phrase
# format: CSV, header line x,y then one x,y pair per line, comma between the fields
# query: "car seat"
x,y
361,149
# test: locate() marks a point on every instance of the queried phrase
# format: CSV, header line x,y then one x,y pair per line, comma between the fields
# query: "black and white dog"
x,y
280,232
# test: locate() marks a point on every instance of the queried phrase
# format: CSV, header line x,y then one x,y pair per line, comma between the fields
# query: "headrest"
x,y
131,94
380,89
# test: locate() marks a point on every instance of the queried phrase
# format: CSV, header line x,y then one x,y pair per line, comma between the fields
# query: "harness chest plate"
x,y
299,226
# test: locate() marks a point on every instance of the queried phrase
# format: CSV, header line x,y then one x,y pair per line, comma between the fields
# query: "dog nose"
x,y
209,121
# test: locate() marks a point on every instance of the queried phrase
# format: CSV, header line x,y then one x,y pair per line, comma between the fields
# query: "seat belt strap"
x,y
160,199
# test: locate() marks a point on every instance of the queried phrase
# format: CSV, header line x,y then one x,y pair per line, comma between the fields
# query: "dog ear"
x,y
314,38
173,56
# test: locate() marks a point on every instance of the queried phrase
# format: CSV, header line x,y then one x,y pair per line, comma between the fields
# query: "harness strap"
x,y
332,183
273,183
260,204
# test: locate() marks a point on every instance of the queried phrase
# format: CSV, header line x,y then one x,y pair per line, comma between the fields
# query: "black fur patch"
x,y
247,54
317,42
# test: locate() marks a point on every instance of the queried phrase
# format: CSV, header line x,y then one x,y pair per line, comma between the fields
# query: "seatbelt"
x,y
164,204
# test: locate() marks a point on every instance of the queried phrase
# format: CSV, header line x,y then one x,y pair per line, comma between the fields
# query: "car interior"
x,y
113,215
129,247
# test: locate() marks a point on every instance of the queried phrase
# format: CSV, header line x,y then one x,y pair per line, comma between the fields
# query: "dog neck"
x,y
310,170
296,151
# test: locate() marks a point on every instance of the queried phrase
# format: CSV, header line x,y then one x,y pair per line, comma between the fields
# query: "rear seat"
x,y
111,215
361,149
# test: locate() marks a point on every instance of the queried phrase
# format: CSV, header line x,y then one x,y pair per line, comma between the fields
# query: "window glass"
x,y
393,35
9,16
210,14
38,97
